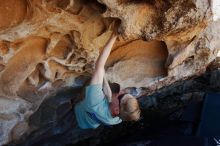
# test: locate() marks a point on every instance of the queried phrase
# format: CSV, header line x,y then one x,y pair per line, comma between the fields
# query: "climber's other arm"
x,y
107,90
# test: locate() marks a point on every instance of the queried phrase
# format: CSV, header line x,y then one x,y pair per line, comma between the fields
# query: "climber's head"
x,y
129,108
124,105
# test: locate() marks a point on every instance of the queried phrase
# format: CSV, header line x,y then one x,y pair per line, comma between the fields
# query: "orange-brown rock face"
x,y
46,45
12,13
137,63
30,52
159,19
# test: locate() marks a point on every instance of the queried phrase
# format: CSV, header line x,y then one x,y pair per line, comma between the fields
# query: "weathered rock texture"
x,y
48,45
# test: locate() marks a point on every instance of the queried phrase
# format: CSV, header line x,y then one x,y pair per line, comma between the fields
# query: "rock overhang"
x,y
48,45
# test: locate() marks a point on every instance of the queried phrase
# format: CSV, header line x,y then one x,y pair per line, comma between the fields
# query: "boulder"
x,y
48,46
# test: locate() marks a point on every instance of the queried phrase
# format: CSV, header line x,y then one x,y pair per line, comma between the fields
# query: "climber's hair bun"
x,y
115,87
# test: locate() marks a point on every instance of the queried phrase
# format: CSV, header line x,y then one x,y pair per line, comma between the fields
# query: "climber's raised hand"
x,y
99,72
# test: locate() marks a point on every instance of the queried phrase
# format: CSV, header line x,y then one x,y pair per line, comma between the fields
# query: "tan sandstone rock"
x,y
46,45
12,12
137,63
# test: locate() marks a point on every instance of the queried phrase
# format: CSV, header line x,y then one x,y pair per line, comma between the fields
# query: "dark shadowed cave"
x,y
167,55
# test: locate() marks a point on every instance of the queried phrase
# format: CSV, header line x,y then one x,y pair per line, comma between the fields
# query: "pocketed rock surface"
x,y
48,46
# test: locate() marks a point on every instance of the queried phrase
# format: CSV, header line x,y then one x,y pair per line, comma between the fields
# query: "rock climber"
x,y
103,104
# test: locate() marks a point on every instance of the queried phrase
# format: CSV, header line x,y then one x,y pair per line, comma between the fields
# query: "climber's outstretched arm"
x,y
99,72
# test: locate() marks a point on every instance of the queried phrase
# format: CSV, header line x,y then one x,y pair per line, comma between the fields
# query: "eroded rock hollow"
x,y
49,45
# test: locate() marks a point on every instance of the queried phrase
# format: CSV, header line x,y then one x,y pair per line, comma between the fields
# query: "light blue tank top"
x,y
94,109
